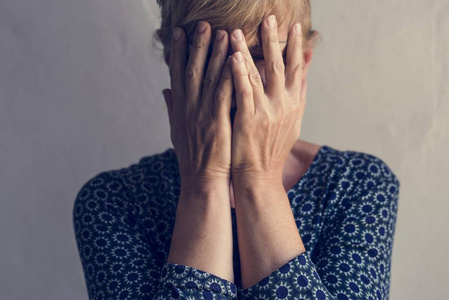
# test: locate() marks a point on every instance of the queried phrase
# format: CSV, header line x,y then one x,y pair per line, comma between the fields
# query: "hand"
x,y
267,122
199,106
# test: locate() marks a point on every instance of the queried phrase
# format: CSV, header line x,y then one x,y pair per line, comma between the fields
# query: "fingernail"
x,y
271,22
238,56
298,28
176,33
220,35
201,27
238,35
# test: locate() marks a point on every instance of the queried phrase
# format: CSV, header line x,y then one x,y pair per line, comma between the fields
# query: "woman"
x,y
259,214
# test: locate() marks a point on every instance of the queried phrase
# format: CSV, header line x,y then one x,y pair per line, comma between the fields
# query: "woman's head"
x,y
233,14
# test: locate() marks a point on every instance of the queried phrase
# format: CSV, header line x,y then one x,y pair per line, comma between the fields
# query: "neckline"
x,y
315,160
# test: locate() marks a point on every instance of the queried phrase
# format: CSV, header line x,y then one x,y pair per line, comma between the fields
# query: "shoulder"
x,y
163,164
115,187
344,176
355,177
355,185
356,165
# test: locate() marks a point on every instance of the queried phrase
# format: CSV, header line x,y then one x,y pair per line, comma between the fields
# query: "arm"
x,y
121,260
201,242
265,221
201,135
202,236
267,124
352,259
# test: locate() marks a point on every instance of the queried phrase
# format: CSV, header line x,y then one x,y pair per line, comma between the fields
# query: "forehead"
x,y
286,16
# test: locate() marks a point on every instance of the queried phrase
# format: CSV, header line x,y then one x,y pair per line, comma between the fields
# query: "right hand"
x,y
199,107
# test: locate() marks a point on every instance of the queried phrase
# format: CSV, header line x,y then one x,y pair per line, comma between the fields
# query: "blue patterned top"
x,y
345,209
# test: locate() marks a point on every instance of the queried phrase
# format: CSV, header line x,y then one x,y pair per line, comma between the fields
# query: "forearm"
x,y
267,233
202,235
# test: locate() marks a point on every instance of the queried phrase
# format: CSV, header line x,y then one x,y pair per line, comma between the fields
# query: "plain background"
x,y
80,93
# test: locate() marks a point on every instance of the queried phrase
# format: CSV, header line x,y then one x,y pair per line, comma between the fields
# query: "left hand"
x,y
268,121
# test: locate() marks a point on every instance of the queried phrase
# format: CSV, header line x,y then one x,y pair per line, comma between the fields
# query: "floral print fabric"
x,y
345,209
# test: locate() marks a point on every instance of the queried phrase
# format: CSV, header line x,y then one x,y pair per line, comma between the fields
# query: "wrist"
x,y
205,189
256,180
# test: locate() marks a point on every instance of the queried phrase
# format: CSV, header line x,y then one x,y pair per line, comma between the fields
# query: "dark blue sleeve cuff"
x,y
185,282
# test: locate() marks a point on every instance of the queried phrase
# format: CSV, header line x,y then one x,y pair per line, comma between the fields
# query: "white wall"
x,y
80,93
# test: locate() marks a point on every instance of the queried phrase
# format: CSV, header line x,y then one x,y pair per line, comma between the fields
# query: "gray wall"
x,y
80,93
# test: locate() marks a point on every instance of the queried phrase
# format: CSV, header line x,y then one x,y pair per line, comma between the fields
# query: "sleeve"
x,y
353,255
185,282
297,279
120,260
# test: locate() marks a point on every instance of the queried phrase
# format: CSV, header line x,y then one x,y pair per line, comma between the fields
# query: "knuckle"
x,y
277,66
201,119
265,120
244,52
198,42
254,76
191,73
227,76
221,96
245,94
208,82
241,73
217,53
272,39
295,107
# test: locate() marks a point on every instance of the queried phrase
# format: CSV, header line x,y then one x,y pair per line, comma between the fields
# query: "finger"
x,y
273,58
169,102
243,89
214,70
238,43
196,64
178,59
303,96
302,106
294,61
223,94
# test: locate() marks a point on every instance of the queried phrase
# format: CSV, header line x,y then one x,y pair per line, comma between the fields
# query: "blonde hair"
x,y
230,15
